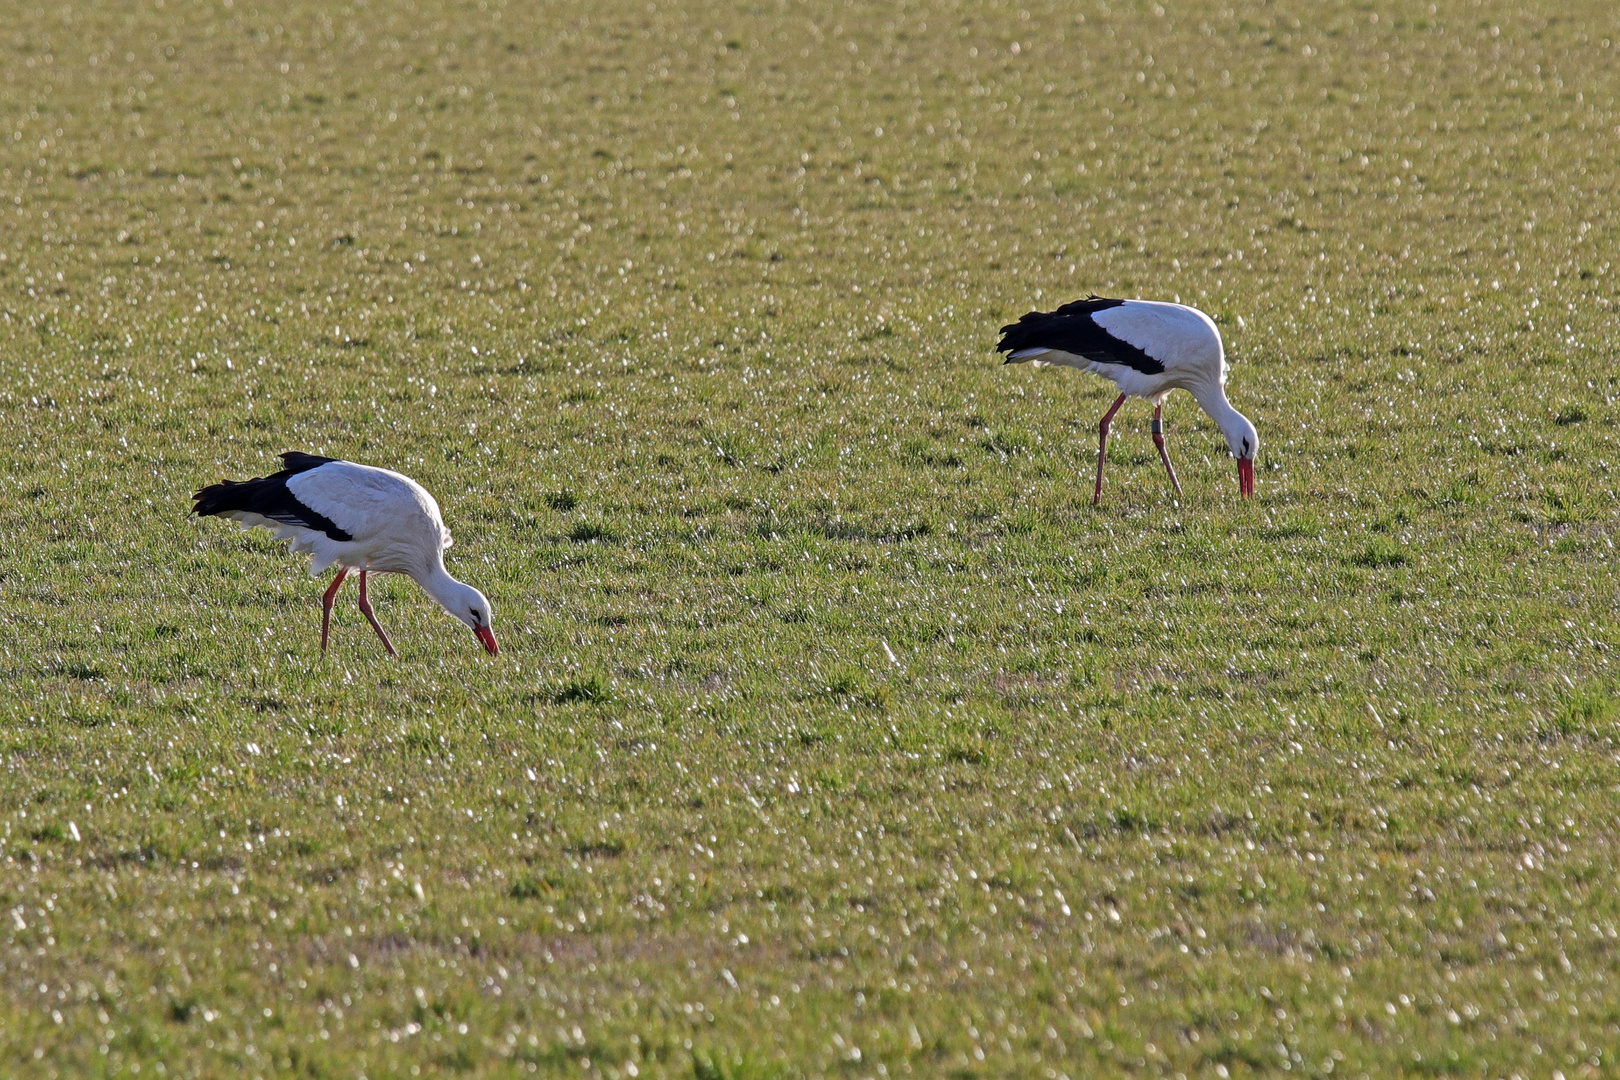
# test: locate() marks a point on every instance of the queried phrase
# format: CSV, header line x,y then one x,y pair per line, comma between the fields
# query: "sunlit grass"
x,y
834,732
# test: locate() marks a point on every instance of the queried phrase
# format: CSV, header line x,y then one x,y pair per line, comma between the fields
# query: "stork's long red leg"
x,y
1158,440
1102,445
365,606
326,604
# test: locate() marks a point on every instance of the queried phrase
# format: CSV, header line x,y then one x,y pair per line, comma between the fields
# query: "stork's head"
x,y
1244,442
470,606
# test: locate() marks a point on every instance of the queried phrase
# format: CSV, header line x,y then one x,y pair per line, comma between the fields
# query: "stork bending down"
x,y
1147,348
358,518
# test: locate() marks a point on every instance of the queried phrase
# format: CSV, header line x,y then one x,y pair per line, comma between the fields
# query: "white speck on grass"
x,y
73,830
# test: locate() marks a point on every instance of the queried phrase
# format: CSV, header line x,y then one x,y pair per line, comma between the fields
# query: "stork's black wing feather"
x,y
1071,329
269,497
296,461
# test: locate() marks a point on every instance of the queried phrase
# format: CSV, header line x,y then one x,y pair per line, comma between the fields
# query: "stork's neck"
x,y
1233,424
1212,399
439,585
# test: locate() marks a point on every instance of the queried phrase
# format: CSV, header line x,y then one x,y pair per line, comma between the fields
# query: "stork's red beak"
x,y
1246,476
487,636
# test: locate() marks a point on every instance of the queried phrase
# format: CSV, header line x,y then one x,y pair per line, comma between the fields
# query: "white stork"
x,y
1148,348
359,518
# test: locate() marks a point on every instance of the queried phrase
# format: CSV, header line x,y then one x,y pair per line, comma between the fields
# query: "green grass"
x,y
834,733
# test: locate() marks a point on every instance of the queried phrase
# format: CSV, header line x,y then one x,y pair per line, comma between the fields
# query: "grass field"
x,y
834,732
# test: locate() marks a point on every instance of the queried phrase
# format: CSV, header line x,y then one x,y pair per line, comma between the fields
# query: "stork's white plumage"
x,y
355,517
1148,348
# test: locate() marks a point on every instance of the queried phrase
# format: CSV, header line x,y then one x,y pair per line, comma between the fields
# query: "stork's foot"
x,y
1102,446
326,604
371,617
1164,454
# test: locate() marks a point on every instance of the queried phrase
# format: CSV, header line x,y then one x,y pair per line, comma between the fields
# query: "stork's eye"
x,y
476,618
